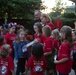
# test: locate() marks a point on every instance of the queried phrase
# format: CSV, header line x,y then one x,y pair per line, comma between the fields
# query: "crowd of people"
x,y
53,48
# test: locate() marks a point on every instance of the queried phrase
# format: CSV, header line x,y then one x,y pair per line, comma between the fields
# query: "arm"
x,y
26,71
61,61
15,50
12,71
47,53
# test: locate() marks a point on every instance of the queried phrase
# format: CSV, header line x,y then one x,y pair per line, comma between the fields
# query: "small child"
x,y
20,55
38,32
56,37
37,63
49,50
64,61
6,62
10,37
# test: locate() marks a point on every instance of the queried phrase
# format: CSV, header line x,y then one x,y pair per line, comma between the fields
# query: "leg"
x,y
18,67
23,61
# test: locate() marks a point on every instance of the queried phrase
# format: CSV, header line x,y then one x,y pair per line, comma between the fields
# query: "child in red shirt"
x,y
64,61
6,62
10,37
38,32
48,50
37,63
47,21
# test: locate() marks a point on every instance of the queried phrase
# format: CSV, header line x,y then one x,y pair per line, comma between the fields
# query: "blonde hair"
x,y
47,31
47,17
17,37
56,33
22,27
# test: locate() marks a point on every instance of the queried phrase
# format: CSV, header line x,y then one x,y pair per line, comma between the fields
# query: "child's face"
x,y
73,36
44,33
43,20
22,35
62,35
36,29
12,29
53,35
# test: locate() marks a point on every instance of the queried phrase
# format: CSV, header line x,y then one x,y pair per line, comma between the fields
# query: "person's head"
x,y
1,39
74,35
55,34
46,31
22,27
37,51
66,33
20,35
1,28
38,27
26,32
45,18
37,14
5,51
11,29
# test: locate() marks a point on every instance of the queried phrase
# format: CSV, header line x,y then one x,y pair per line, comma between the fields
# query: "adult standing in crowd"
x,y
37,15
47,21
58,23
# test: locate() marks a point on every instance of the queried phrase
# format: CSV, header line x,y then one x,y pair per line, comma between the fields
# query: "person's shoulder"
x,y
32,58
7,34
66,43
9,58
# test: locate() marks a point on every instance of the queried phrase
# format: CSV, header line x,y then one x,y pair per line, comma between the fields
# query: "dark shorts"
x,y
50,61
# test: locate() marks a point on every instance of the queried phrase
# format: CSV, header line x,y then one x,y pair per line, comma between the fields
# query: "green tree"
x,y
57,9
19,8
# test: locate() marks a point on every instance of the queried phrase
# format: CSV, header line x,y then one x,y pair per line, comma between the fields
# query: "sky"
x,y
51,3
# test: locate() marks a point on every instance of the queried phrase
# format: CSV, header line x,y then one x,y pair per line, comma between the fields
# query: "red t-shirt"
x,y
48,45
9,38
51,25
56,44
6,65
58,24
64,52
37,66
41,38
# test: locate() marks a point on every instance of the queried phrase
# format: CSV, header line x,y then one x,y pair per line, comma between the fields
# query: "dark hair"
x,y
4,51
68,34
1,39
37,51
39,25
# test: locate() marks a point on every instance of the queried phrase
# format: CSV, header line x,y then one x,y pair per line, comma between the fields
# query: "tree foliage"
x,y
75,3
58,8
19,8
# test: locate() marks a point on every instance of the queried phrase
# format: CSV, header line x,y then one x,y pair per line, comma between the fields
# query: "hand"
x,y
56,61
36,40
24,73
